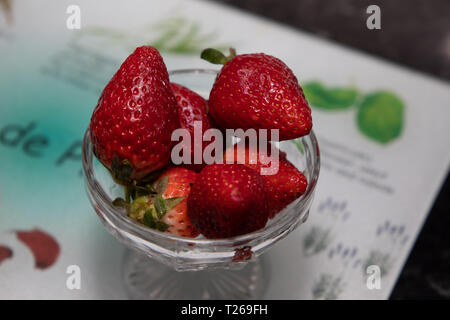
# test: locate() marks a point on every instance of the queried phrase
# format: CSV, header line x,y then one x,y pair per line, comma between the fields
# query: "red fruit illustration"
x,y
132,124
5,253
44,247
257,91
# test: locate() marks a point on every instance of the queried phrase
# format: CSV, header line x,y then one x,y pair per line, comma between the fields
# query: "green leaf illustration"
x,y
181,35
380,116
176,35
335,98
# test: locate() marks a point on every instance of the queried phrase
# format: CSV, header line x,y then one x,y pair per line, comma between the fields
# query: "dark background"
x,y
414,33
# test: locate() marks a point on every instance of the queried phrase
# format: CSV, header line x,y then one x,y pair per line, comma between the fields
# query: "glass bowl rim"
x,y
92,184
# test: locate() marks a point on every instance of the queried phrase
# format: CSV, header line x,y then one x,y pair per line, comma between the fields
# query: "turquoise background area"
x,y
35,192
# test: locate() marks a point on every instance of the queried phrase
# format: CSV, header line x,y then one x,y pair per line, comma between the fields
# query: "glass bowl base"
x,y
147,279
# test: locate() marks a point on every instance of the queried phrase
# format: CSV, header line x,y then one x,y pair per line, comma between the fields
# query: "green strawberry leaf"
x,y
161,185
161,226
149,219
121,170
213,56
160,206
150,208
173,202
140,191
329,98
128,194
135,190
380,116
139,207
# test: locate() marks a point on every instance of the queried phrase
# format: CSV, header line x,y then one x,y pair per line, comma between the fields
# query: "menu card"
x,y
383,134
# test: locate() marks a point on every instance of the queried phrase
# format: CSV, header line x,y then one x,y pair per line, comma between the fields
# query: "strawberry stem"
x,y
217,57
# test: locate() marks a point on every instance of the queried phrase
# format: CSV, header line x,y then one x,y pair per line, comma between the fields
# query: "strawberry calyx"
x,y
145,203
217,57
121,170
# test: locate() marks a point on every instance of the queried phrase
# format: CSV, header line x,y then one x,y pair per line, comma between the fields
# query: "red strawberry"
x,y
228,200
133,121
258,91
44,247
166,208
285,185
192,107
179,185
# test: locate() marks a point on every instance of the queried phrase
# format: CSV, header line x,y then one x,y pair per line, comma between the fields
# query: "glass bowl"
x,y
225,268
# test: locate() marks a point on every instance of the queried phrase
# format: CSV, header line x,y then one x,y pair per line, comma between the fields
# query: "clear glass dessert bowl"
x,y
224,268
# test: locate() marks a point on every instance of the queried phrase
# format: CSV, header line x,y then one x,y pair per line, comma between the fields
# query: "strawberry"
x,y
179,185
163,206
258,91
284,185
227,200
192,107
133,121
